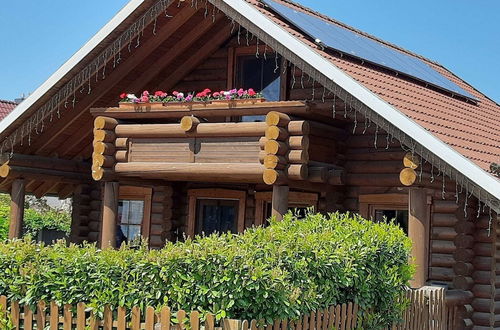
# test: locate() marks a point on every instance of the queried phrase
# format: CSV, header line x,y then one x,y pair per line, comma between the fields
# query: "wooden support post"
x,y
418,231
280,201
16,208
109,214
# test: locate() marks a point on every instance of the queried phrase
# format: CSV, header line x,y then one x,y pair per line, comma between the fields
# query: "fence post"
x,y
229,324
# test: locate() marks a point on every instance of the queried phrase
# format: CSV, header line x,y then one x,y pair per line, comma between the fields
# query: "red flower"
x,y
216,94
251,92
145,93
159,93
200,94
206,91
123,95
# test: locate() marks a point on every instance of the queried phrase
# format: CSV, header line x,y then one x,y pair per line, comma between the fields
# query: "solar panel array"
x,y
349,42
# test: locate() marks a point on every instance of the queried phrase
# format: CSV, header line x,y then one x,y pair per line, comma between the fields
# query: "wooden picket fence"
x,y
427,310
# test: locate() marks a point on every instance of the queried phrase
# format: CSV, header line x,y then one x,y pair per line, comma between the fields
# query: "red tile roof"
x,y
473,130
6,107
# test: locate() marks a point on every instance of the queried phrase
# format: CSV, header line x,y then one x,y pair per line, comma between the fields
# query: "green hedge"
x,y
286,269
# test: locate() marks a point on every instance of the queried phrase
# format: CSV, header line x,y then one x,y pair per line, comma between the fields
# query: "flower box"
x,y
141,106
239,101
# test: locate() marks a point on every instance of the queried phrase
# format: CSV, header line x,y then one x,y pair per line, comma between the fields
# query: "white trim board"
x,y
454,159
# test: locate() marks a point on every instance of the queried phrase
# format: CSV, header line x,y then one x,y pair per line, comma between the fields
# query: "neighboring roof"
x,y
472,130
6,107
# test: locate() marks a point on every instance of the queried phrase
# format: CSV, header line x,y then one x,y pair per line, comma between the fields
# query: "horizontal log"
x,y
101,173
271,177
439,246
242,129
318,174
49,163
274,118
276,147
484,249
464,241
297,172
440,206
121,143
463,268
297,156
465,255
298,142
299,127
484,236
486,277
226,172
104,136
336,177
483,263
443,220
463,282
465,227
276,133
327,131
274,162
95,216
411,160
121,155
93,237
442,260
443,233
189,123
374,167
441,274
104,148
41,174
102,160
372,154
484,305
484,319
486,291
102,122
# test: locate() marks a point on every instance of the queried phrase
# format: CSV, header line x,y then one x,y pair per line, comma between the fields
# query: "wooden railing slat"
x,y
165,319
121,318
107,318
54,316
28,318
68,317
337,316
181,316
194,320
135,319
41,317
150,318
15,314
80,316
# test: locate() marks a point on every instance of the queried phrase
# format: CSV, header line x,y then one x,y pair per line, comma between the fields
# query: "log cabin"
x,y
349,123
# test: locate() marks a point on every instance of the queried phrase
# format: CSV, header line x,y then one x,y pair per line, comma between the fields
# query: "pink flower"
x,y
180,96
145,93
207,90
145,98
164,95
123,95
228,97
233,91
251,92
159,93
189,97
241,92
174,93
216,94
200,94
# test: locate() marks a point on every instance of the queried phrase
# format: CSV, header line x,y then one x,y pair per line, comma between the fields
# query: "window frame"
x,y
235,52
370,202
295,198
206,193
139,194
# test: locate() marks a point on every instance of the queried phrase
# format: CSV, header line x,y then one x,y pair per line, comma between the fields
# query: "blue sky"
x,y
463,35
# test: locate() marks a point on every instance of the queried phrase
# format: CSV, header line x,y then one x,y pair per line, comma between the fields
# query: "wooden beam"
x,y
42,146
109,215
42,174
173,53
418,231
16,209
280,201
224,172
50,163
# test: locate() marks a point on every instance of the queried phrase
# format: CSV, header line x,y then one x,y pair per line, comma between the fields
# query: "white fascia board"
x,y
71,63
456,160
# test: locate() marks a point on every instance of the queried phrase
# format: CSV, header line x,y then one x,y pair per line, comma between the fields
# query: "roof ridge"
x,y
363,33
8,101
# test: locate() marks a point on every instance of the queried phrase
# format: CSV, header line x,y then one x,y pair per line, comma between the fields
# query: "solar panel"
x,y
354,44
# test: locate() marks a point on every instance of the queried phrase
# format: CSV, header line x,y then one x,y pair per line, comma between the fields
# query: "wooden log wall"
x,y
161,216
86,213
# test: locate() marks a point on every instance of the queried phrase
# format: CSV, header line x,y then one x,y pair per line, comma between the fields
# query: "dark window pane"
x,y
216,216
400,217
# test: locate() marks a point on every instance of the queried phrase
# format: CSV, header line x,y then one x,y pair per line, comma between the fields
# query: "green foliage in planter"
x,y
282,271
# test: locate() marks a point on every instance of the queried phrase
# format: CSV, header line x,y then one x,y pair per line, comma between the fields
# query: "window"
x,y
134,213
261,74
216,210
299,202
387,207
